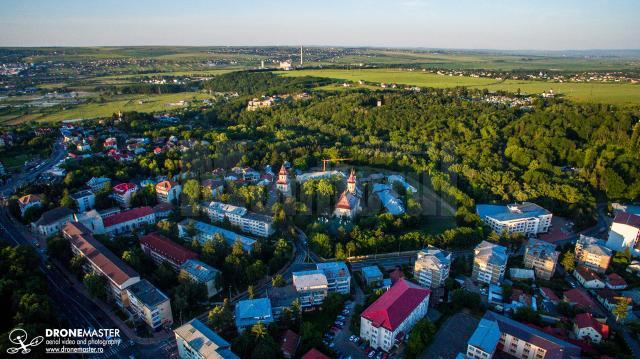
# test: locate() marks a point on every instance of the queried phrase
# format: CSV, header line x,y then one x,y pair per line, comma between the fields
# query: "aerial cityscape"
x,y
362,179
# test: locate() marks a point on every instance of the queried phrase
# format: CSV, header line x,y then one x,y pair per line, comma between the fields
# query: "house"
x,y
624,233
168,191
204,232
586,327
109,143
526,218
90,219
314,354
102,261
496,332
588,278
98,183
489,262
249,222
542,257
202,273
28,201
338,276
84,200
162,249
214,186
593,253
372,276
312,287
393,314
521,274
282,298
283,184
520,299
611,299
122,193
197,341
389,198
495,294
129,220
615,281
51,221
580,299
150,305
549,295
163,210
289,343
432,266
251,312
348,204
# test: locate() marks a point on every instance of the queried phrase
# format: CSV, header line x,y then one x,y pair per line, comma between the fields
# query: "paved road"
x,y
22,178
388,261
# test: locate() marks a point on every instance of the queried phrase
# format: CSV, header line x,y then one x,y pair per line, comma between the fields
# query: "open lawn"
x,y
614,93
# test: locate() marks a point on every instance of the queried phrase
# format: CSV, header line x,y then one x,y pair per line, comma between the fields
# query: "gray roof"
x,y
334,269
371,272
311,278
53,215
204,340
230,236
491,253
249,312
147,293
511,212
201,271
282,296
486,336
82,194
436,255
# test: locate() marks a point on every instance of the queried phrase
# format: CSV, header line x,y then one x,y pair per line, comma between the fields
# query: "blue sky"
x,y
486,24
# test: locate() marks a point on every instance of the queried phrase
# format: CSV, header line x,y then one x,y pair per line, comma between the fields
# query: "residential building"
x,y
495,294
542,257
100,260
580,299
150,305
549,295
162,249
249,222
90,219
197,341
315,354
338,276
593,253
400,179
372,276
395,312
282,298
615,281
289,344
51,221
588,278
389,198
204,232
526,218
348,204
98,183
312,287
489,262
129,220
163,210
610,299
283,184
432,266
122,193
586,327
521,274
251,312
28,201
496,332
168,191
215,186
109,143
625,233
85,200
301,178
202,273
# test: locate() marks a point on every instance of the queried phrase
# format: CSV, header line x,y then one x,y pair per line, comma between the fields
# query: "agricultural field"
x,y
613,93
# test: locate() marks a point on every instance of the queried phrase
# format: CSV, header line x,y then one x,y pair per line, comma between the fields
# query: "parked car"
x,y
372,354
352,338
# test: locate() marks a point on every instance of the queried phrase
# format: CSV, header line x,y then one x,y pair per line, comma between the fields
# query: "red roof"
x,y
585,320
343,202
283,171
580,297
352,177
395,305
549,294
587,274
127,216
289,342
396,275
123,188
628,219
314,354
615,280
165,186
167,248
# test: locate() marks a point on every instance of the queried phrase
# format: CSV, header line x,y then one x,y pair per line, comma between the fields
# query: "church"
x,y
283,184
349,203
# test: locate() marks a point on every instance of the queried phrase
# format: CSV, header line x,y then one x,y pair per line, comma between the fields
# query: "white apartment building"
x,y
338,276
312,287
395,312
168,191
197,341
249,222
489,262
150,305
432,267
593,253
625,233
85,200
526,218
122,193
542,257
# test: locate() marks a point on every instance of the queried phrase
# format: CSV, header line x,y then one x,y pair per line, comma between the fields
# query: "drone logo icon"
x,y
19,337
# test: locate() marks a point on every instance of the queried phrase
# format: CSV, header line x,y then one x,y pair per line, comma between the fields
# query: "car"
x,y
372,354
352,338
332,345
341,317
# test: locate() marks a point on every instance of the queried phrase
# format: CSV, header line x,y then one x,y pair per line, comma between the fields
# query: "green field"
x,y
150,103
621,94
